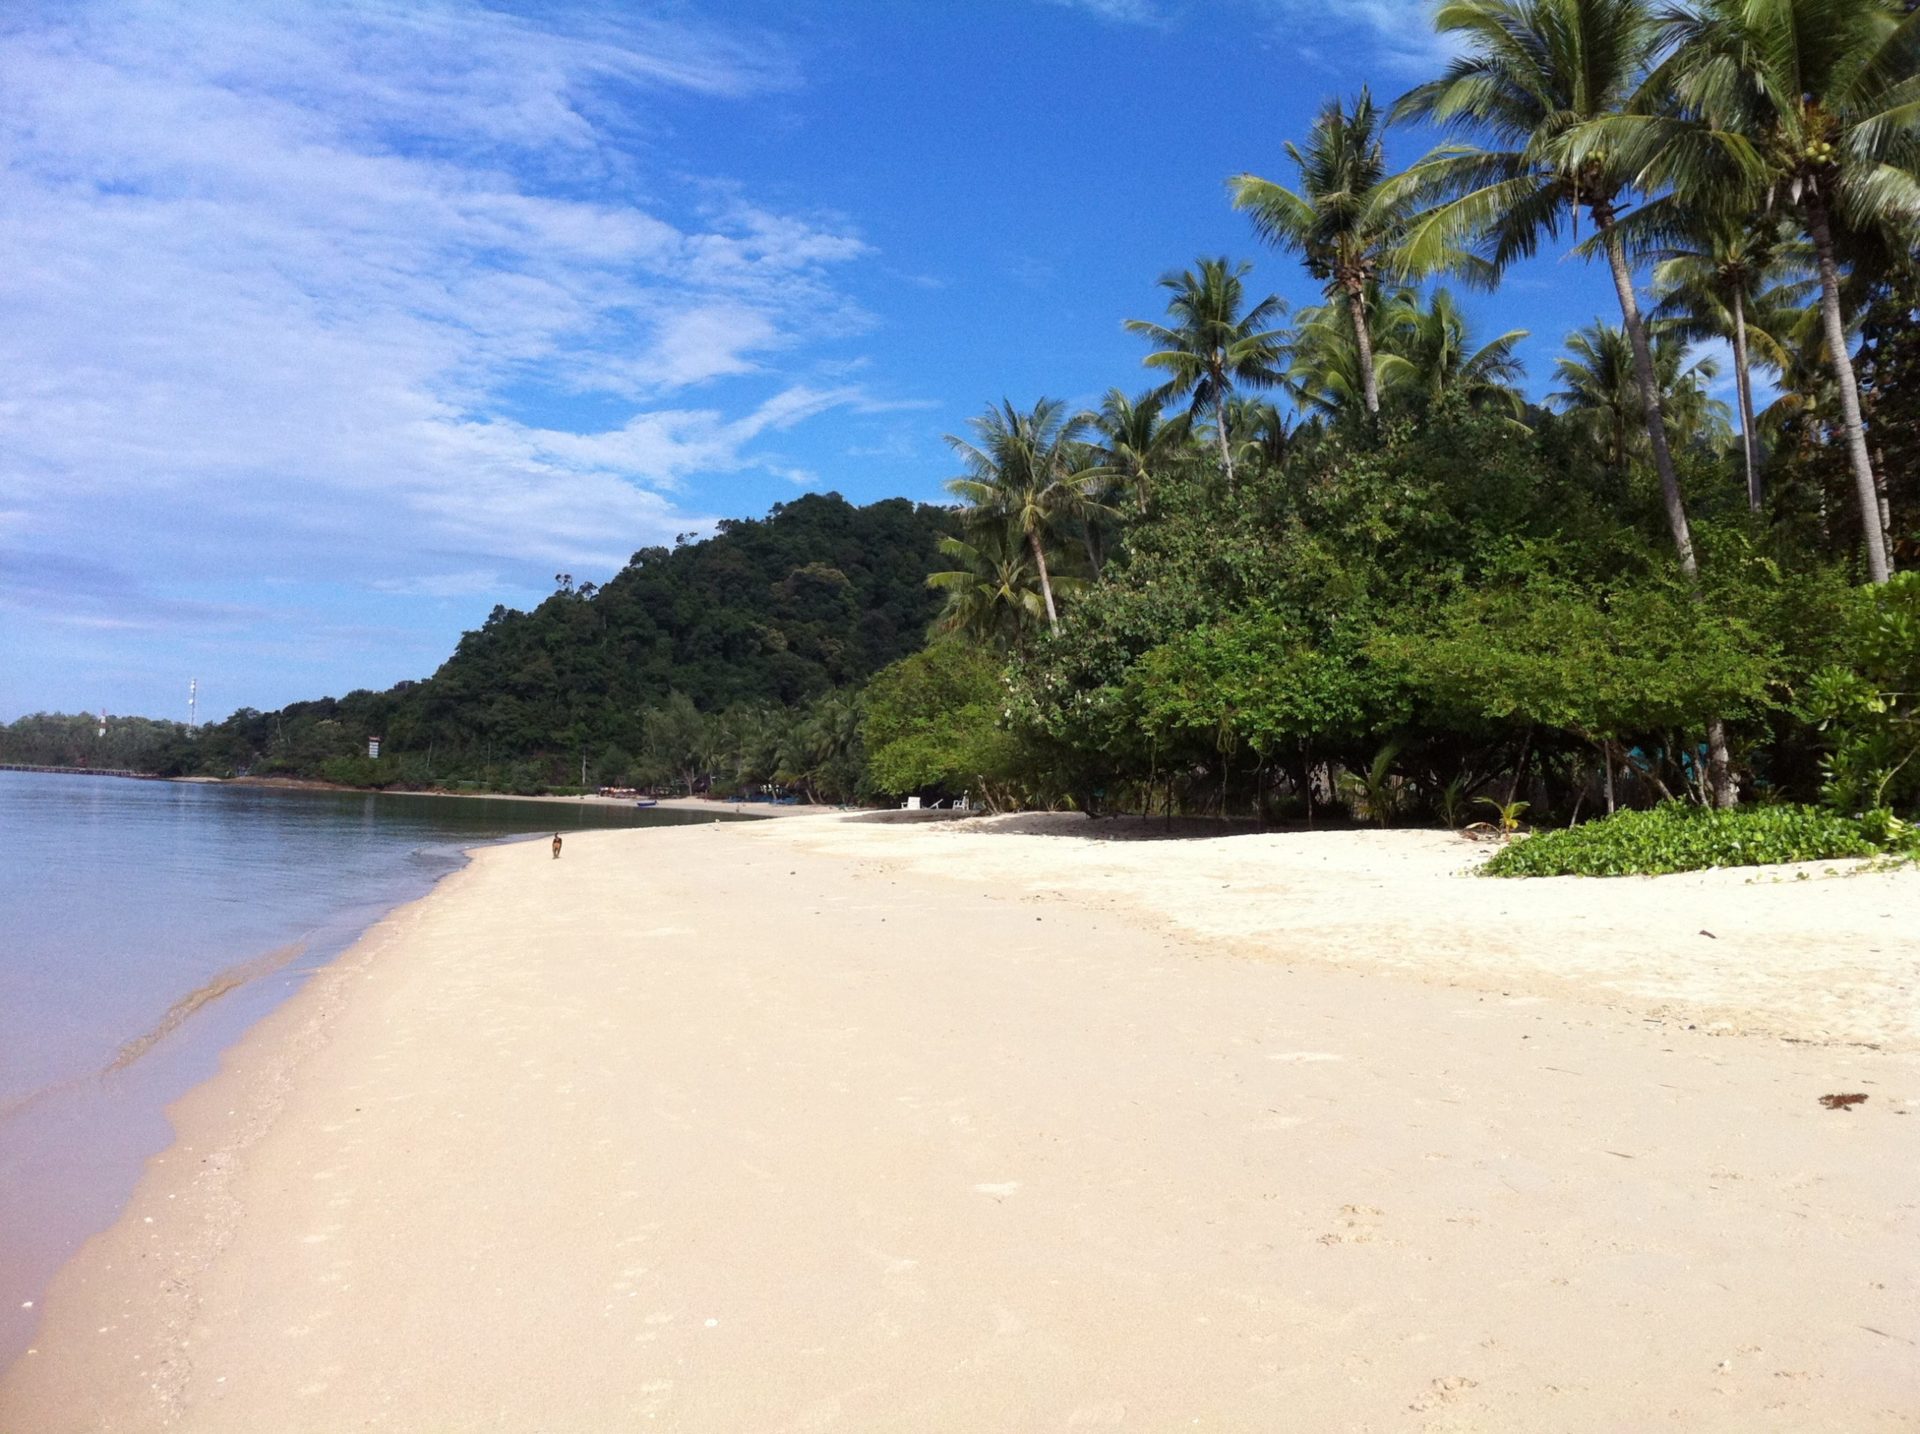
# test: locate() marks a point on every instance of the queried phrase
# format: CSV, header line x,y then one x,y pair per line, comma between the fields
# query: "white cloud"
x,y
1124,12
1397,35
304,289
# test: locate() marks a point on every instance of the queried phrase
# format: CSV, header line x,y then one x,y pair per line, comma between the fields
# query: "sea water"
x,y
143,927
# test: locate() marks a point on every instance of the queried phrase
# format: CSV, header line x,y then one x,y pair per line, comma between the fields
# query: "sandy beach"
x,y
1033,1123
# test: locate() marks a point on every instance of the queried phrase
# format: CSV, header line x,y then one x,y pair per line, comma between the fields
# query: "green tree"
x,y
934,720
1139,440
1434,353
1344,220
993,593
1715,281
1821,100
1213,343
1341,220
1600,389
1024,470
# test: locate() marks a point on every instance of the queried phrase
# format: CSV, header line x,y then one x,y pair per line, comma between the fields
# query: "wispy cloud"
x,y
1123,12
312,290
1396,34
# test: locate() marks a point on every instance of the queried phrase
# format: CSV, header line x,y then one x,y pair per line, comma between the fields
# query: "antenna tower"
x,y
193,703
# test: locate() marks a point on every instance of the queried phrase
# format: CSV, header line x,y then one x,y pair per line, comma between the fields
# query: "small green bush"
x,y
1678,837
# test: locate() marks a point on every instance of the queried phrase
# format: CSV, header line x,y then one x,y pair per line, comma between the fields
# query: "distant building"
x,y
373,746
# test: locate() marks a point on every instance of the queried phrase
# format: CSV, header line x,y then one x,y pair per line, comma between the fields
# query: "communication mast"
x,y
193,703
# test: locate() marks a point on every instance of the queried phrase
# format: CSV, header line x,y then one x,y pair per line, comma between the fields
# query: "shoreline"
x,y
764,1049
168,1062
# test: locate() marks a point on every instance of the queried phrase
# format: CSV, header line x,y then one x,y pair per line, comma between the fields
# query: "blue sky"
x,y
326,327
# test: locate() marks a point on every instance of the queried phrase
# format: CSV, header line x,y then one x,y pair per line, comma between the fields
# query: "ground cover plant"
x,y
1681,837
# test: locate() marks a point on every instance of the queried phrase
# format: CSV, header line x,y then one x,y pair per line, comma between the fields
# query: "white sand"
x,y
842,1125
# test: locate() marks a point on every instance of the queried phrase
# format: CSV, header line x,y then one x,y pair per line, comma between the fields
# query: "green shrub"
x,y
1678,837
1869,707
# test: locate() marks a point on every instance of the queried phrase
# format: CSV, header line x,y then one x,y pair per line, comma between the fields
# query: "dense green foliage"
x,y
47,739
1677,837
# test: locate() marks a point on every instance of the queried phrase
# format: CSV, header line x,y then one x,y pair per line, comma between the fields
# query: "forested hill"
x,y
817,595
766,615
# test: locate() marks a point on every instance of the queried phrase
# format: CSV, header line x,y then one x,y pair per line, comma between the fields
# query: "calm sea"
x,y
143,927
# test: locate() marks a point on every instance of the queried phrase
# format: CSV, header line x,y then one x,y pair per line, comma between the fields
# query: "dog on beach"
x,y
556,846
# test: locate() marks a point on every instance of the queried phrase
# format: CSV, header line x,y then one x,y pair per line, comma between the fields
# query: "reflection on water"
x,y
144,925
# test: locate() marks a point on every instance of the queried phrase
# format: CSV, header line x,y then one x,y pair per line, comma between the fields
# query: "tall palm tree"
x,y
1529,75
1138,440
1342,220
1024,470
1213,343
1823,99
1713,282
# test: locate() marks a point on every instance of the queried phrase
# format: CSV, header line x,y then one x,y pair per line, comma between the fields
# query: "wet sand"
x,y
843,1125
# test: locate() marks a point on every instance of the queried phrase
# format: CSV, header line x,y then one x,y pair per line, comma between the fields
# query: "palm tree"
x,y
1089,496
1213,344
1713,283
1530,75
1025,470
992,591
1822,97
1599,388
1259,432
1433,352
1342,220
1324,370
1137,440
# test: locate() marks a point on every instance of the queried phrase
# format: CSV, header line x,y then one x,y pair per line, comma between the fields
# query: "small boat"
x,y
647,802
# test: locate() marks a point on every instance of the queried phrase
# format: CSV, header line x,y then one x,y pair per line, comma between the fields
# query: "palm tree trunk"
x,y
1726,792
1743,390
1878,569
1093,548
1656,420
1226,448
1046,582
1363,348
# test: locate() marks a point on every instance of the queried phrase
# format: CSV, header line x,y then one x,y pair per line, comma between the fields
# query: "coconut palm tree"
x,y
1432,352
1324,369
1342,220
992,591
1530,74
1138,440
1214,344
1713,282
1822,100
1259,432
1599,387
1026,470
